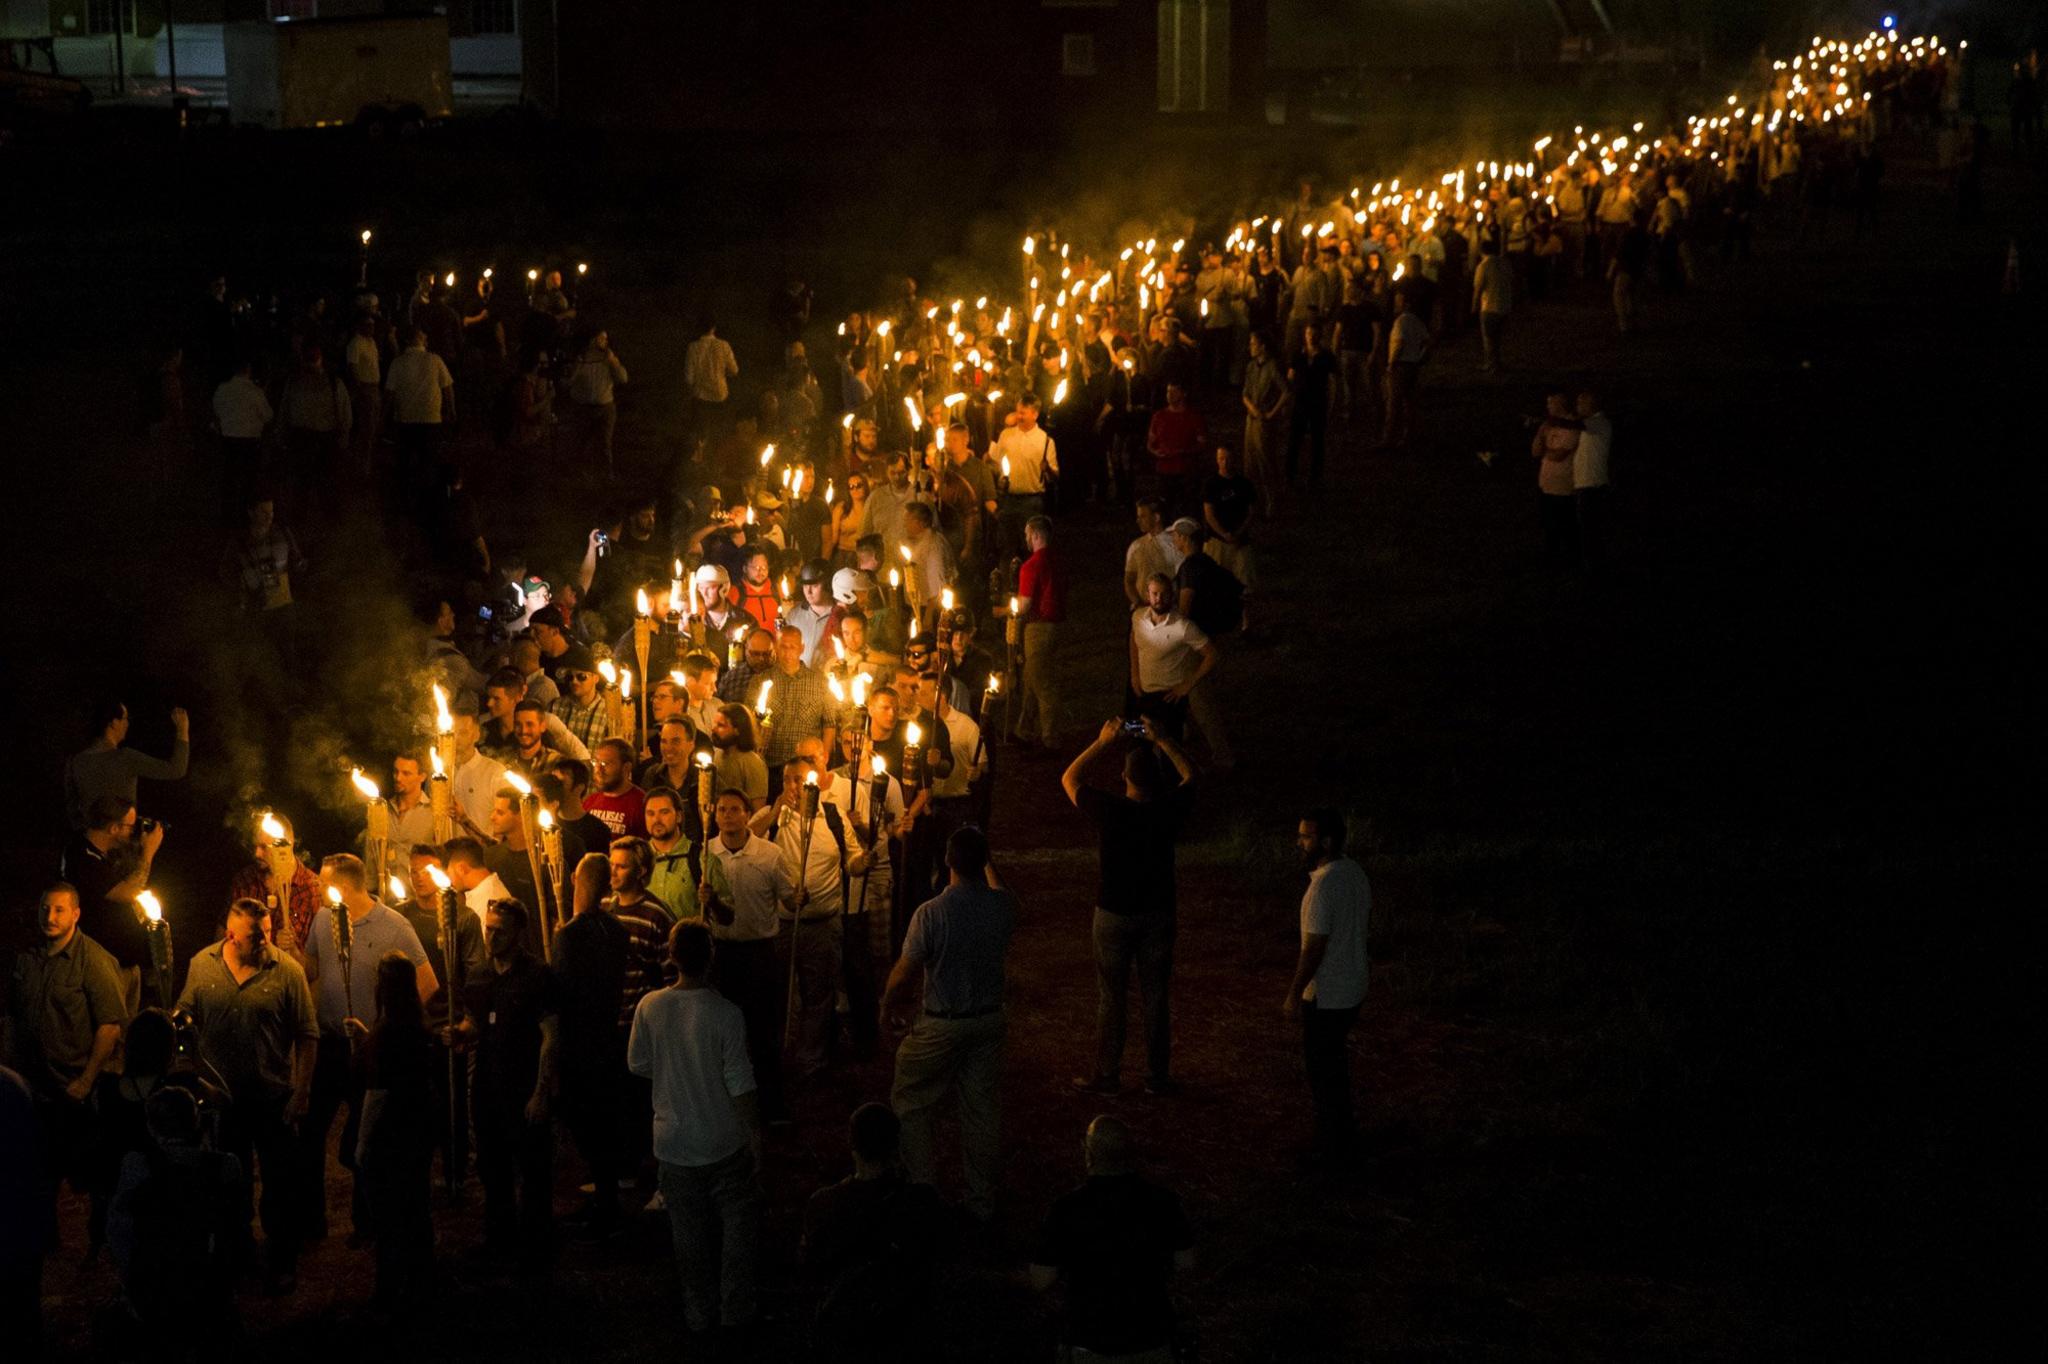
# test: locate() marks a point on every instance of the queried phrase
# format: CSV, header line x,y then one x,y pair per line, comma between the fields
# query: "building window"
x,y
294,9
1194,56
109,16
1077,54
493,16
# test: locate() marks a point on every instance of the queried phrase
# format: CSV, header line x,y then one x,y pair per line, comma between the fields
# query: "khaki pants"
x,y
1040,706
952,1054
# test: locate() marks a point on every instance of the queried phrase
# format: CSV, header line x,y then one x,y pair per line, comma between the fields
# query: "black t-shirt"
x,y
1232,498
590,973
469,939
1113,1241
1210,582
113,924
1355,323
1310,377
1137,840
592,834
876,1241
508,1007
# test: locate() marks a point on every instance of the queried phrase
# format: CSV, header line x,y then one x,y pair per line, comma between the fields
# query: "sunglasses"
x,y
580,677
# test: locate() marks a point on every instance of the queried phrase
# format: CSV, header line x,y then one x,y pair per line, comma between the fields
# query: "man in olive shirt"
x,y
259,1038
64,1017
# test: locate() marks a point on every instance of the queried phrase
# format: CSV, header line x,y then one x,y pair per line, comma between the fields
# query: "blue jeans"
x,y
714,1216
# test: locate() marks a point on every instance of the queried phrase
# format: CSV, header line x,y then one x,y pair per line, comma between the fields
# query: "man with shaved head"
x,y
1116,1241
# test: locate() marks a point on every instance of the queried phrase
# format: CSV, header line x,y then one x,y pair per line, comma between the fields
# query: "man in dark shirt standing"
x,y
1309,383
590,963
874,1237
510,1020
1116,1241
109,865
62,1023
1135,897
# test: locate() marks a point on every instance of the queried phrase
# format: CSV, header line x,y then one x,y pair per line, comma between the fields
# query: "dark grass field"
x,y
1702,960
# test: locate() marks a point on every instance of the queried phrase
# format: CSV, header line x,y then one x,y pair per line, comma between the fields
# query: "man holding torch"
x,y
817,856
373,930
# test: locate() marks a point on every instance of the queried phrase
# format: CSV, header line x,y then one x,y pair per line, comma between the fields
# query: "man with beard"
x,y
412,816
1329,978
742,681
737,765
581,707
530,753
673,880
503,696
259,1036
616,801
674,766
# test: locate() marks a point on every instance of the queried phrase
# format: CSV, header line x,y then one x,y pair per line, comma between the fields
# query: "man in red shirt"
x,y
1176,440
1041,606
616,801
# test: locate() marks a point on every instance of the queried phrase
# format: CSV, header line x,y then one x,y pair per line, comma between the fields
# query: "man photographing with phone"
x,y
1135,897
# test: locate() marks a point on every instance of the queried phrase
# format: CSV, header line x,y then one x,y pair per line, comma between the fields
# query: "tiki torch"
x,y
529,823
344,947
451,955
807,811
281,862
158,931
440,795
643,640
377,825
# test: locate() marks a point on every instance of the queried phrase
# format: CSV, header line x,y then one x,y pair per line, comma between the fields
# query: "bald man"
x,y
1117,1241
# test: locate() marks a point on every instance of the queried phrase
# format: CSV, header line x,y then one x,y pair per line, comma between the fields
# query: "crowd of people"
x,y
705,809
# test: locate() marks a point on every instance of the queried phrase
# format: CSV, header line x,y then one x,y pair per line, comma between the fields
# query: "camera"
x,y
145,826
1134,729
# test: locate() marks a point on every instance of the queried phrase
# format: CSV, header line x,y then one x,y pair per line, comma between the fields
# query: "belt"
x,y
954,1015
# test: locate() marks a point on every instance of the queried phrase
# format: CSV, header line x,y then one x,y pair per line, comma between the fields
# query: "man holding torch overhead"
x,y
341,997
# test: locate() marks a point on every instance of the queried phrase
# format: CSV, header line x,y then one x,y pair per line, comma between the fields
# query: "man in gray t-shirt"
x,y
960,940
344,994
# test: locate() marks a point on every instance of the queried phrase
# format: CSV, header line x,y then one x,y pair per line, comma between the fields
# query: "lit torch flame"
x,y
272,829
439,878
152,908
444,719
364,784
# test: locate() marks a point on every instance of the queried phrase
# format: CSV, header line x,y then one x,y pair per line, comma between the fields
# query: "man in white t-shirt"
x,y
1329,978
1154,551
1589,479
692,1043
422,402
1169,655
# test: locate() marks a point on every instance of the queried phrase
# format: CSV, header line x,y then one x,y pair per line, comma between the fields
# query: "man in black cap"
x,y
550,629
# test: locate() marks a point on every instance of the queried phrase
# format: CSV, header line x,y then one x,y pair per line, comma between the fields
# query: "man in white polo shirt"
x,y
746,887
1329,977
1169,655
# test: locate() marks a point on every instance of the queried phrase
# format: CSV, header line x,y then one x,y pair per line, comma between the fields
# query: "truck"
x,y
383,74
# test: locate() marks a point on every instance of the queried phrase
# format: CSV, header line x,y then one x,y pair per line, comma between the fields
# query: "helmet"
x,y
848,584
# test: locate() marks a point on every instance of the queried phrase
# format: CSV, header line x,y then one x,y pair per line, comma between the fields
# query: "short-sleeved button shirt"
x,y
58,1001
961,938
247,1029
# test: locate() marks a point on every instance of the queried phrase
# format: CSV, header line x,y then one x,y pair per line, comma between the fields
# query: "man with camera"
x,y
109,863
1135,899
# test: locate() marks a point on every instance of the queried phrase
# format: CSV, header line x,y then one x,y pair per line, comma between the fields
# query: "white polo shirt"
x,y
1589,457
415,383
1335,905
1167,649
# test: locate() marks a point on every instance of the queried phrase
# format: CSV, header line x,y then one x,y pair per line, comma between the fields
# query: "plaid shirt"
x,y
302,897
585,722
799,708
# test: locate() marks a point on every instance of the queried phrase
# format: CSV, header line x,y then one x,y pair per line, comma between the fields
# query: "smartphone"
x,y
1134,728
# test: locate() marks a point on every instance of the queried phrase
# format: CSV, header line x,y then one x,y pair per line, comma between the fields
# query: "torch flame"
x,y
767,686
435,754
945,598
271,827
366,236
444,719
439,878
881,766
334,895
860,688
895,578
364,784
912,735
811,777
838,692
904,550
1016,607
626,684
995,683
1006,466
828,492
641,603
546,820
518,783
398,891
767,456
152,908
703,760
